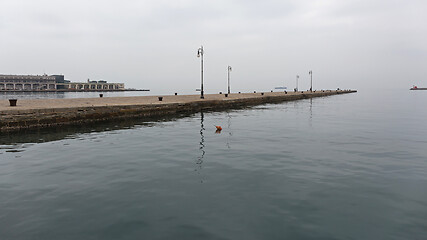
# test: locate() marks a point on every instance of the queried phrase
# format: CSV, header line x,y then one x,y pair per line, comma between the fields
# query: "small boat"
x,y
417,88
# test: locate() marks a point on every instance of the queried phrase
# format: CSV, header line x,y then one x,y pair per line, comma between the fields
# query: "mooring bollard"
x,y
239,92
271,90
220,92
160,98
176,94
12,102
254,91
262,94
101,95
226,95
286,92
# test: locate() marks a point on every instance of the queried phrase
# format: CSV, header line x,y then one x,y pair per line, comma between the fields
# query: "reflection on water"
x,y
230,133
199,161
61,95
269,175
17,139
32,95
21,138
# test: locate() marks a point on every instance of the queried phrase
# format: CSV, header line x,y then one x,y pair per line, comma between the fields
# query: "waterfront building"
x,y
27,82
94,85
52,83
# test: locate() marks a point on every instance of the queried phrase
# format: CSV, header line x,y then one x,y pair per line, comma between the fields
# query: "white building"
x,y
27,82
94,85
53,83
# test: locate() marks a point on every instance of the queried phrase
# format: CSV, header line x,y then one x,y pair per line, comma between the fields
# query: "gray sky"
x,y
153,43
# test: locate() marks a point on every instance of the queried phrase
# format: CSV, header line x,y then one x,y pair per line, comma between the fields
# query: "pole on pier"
x,y
200,53
229,70
311,77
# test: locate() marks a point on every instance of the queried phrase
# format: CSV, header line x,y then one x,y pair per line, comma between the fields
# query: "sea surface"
x,y
351,166
61,95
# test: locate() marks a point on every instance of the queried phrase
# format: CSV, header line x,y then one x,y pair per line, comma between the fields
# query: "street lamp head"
x,y
200,51
229,68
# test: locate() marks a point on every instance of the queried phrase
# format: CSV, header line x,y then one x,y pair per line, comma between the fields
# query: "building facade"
x,y
52,83
27,82
94,85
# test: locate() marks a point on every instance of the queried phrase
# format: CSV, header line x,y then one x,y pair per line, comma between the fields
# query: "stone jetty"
x,y
42,113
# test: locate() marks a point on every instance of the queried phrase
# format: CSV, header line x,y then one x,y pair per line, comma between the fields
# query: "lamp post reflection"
x,y
230,134
199,161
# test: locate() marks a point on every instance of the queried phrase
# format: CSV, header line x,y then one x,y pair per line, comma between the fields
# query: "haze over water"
x,y
350,166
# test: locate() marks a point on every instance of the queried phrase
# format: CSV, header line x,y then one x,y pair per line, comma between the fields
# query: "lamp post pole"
x,y
311,77
229,70
297,83
200,53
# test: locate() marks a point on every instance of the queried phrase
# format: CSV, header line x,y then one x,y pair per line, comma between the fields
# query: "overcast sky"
x,y
153,43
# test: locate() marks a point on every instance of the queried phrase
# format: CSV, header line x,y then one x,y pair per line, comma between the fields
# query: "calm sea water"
x,y
343,167
59,95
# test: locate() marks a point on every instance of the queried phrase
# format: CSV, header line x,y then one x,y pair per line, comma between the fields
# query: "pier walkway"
x,y
37,113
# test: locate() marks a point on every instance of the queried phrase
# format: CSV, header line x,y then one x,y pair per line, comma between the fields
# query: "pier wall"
x,y
16,119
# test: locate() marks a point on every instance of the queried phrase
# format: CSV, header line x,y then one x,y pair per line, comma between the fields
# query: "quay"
x,y
44,113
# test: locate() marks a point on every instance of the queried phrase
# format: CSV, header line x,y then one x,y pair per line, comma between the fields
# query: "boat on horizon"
x,y
417,88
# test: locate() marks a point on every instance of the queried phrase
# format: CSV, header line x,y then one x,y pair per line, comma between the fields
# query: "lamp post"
x,y
200,53
297,83
311,77
229,70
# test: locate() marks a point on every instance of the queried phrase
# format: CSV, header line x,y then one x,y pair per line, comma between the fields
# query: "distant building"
x,y
27,82
52,82
94,85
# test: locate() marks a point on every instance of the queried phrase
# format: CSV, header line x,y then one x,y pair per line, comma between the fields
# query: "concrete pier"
x,y
42,113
